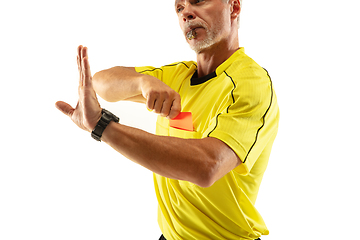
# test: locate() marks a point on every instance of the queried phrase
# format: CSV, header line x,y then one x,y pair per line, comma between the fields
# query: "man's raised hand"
x,y
87,112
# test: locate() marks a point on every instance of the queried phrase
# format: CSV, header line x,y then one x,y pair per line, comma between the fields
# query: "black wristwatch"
x,y
104,121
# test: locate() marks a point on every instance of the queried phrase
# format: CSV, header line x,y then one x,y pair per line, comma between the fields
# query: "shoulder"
x,y
245,70
176,66
253,87
176,73
168,72
179,67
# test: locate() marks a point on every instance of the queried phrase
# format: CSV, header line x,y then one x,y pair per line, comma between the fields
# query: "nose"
x,y
188,13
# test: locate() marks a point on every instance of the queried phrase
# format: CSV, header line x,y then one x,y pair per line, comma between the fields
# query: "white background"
x,y
58,183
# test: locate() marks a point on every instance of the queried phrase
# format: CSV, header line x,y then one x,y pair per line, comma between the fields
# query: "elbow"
x,y
205,184
98,85
208,175
101,87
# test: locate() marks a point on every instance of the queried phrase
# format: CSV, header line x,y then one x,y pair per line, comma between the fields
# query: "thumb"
x,y
64,108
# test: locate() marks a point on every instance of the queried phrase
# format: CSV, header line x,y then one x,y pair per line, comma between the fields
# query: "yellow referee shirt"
x,y
236,104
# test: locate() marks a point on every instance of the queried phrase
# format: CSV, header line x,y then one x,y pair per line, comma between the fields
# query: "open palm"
x,y
87,112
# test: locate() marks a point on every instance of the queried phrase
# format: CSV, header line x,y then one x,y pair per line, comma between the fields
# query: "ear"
x,y
235,9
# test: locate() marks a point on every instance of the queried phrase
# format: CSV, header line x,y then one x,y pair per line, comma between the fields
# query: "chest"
x,y
205,101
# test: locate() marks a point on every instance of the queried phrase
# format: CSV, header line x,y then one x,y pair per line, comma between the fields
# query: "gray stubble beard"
x,y
209,41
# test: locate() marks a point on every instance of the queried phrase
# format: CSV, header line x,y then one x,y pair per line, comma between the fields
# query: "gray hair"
x,y
227,1
238,19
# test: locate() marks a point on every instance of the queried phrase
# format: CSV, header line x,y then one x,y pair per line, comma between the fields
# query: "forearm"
x,y
121,83
176,158
118,83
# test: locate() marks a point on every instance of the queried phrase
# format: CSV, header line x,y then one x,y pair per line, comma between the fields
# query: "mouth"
x,y
192,28
192,32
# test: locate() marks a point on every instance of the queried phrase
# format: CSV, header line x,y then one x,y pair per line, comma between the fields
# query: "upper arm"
x,y
249,124
221,159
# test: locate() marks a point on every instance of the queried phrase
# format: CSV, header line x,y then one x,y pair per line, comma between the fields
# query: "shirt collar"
x,y
219,70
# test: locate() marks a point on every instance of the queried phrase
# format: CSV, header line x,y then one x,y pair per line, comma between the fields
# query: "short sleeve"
x,y
250,122
173,74
152,71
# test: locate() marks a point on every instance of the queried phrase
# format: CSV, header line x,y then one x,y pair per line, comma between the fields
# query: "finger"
x,y
79,62
158,104
85,66
87,72
166,107
79,50
80,71
175,108
65,108
84,53
150,101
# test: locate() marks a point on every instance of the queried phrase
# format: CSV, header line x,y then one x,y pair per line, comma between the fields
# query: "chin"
x,y
202,43
201,46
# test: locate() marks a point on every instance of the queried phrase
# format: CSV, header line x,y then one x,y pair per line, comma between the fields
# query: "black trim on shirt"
x,y
196,81
232,91
217,117
150,70
263,118
227,109
170,65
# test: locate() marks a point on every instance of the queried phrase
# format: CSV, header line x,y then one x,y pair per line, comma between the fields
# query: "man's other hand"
x,y
160,98
87,112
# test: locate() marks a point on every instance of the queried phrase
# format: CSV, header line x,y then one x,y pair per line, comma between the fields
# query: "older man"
x,y
207,173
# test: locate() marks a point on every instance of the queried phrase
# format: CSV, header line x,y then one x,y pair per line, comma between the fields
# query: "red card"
x,y
182,121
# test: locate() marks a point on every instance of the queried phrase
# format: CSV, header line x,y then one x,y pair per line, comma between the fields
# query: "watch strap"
x,y
104,121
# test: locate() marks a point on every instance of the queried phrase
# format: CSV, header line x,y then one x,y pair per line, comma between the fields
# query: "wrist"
x,y
106,118
93,123
142,81
108,132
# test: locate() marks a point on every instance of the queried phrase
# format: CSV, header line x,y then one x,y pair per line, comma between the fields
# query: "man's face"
x,y
203,22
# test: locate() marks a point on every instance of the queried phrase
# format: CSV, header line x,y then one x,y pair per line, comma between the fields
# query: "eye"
x,y
178,9
198,1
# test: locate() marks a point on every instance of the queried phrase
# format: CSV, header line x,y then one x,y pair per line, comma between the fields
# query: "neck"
x,y
209,59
